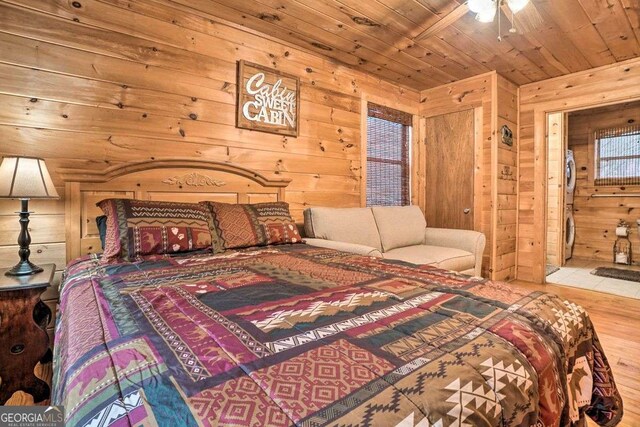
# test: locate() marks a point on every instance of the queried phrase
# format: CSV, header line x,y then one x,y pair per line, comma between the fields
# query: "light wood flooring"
x,y
617,322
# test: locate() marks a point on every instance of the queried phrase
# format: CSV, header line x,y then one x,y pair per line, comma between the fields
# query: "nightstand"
x,y
23,337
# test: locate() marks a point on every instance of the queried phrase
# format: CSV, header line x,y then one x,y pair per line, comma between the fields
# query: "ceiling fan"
x,y
486,10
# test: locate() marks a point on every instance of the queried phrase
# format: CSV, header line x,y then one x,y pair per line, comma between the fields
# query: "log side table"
x,y
23,338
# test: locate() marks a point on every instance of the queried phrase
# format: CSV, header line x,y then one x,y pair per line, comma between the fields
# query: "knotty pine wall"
x,y
596,218
505,173
89,84
556,188
495,101
597,87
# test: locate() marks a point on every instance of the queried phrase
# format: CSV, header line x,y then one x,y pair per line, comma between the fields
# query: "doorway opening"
x,y
593,198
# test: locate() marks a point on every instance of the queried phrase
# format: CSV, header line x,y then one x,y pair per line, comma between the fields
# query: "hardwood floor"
x,y
617,322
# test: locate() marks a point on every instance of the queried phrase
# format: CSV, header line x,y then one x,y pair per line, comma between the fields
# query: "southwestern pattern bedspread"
x,y
298,335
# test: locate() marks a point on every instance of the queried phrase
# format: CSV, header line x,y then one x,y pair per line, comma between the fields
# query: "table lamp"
x,y
25,178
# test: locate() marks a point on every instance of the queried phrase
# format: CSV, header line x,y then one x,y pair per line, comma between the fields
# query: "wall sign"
x,y
507,135
268,100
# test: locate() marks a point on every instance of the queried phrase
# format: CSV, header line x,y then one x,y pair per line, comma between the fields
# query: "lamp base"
x,y
23,268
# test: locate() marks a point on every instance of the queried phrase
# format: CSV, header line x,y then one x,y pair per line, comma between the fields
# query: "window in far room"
x,y
617,154
388,156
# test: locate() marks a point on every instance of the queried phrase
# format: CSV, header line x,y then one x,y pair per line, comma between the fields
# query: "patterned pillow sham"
x,y
235,226
142,227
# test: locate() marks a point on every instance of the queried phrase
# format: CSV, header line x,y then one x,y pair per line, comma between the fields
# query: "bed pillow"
x,y
142,227
235,226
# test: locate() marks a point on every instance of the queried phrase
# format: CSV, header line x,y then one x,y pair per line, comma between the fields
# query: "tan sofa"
x,y
399,233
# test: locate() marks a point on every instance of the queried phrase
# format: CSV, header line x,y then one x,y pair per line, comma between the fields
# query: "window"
x,y
618,156
388,147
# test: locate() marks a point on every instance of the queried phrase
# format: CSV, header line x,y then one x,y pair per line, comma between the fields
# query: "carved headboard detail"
x,y
179,180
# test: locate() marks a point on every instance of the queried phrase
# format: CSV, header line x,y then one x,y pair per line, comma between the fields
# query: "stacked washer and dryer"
x,y
570,226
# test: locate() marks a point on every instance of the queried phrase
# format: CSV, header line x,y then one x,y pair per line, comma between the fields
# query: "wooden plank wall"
x,y
596,218
93,83
599,86
505,173
556,188
496,164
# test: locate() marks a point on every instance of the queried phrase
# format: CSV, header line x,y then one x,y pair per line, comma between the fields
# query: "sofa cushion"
x,y
399,226
345,247
441,257
351,225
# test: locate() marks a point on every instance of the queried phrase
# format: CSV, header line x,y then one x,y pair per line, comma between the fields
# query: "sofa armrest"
x,y
345,247
466,240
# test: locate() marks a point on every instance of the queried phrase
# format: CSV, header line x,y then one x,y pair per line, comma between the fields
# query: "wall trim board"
x,y
555,191
478,127
494,171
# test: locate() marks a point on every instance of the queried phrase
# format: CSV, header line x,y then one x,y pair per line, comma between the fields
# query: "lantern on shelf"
x,y
622,246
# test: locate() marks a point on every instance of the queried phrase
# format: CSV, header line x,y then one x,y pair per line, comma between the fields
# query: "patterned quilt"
x,y
300,335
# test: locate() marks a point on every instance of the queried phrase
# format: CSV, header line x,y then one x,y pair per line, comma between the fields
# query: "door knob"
x,y
466,211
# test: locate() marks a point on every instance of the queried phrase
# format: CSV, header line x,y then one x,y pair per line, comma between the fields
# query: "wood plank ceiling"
x,y
379,36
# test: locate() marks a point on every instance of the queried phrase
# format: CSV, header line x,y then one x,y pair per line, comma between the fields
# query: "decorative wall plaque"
x,y
268,100
507,135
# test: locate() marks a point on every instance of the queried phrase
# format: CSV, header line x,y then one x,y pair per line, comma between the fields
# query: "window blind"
x,y
618,156
388,145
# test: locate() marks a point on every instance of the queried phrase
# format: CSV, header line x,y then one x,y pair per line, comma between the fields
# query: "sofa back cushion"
x,y
399,226
144,227
235,226
350,225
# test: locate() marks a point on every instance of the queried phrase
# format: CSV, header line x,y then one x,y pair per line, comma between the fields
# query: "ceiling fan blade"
x,y
449,19
526,20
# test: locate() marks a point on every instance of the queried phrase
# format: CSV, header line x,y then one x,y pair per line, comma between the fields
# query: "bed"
x,y
301,335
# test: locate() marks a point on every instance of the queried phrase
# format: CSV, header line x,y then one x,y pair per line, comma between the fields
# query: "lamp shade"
x,y
25,178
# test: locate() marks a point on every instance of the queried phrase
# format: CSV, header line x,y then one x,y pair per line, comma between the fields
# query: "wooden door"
x,y
449,183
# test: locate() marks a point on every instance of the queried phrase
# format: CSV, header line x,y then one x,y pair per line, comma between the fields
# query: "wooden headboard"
x,y
179,180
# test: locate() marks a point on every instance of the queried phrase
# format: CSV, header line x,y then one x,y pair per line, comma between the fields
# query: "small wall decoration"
x,y
194,180
507,135
268,100
507,174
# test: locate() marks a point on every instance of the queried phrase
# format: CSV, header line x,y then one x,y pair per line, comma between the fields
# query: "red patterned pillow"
x,y
141,227
236,226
